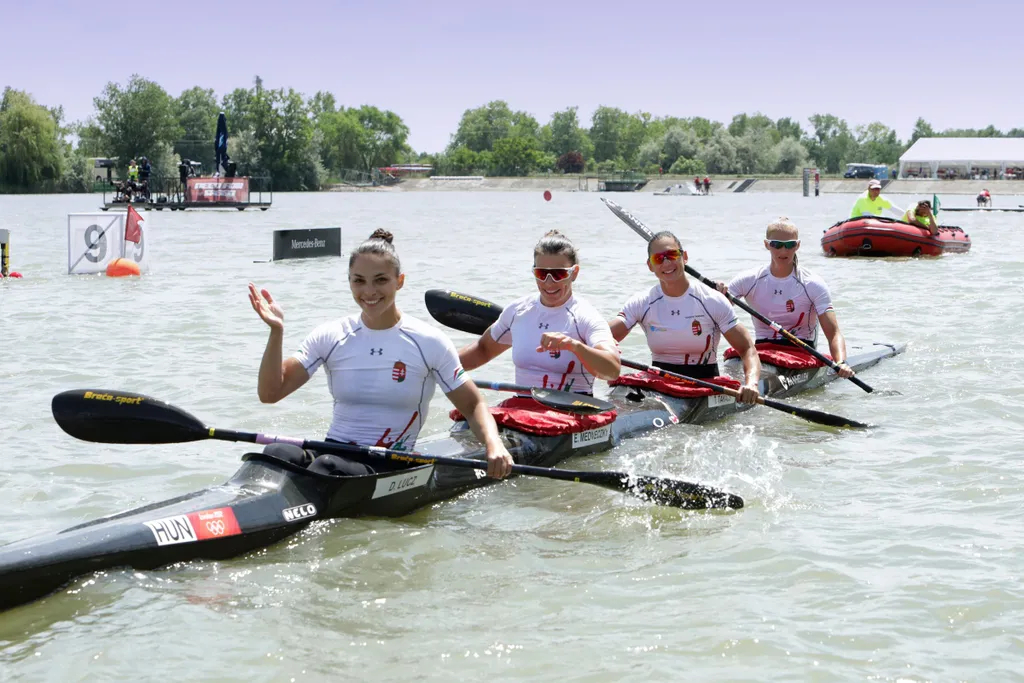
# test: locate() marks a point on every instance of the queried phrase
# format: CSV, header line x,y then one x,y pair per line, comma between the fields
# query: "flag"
x,y
935,204
132,229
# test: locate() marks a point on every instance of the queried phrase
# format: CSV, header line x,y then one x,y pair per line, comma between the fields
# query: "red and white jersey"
x,y
794,302
524,321
682,330
382,380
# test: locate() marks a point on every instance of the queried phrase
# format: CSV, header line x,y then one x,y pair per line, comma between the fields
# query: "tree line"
x,y
304,142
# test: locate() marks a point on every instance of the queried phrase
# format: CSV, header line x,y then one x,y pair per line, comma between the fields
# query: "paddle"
x,y
474,315
565,401
645,232
126,418
808,414
461,312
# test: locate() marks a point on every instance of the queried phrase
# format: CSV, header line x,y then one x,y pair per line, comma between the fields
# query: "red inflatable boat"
x,y
881,236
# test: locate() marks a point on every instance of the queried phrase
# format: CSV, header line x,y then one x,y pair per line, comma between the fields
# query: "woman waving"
x,y
382,367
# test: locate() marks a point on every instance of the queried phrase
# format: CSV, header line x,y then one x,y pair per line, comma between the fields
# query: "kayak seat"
x,y
678,388
327,463
781,356
289,453
524,414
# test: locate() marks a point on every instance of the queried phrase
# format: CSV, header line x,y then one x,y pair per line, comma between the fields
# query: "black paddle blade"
x,y
461,311
816,416
683,494
672,492
122,417
570,402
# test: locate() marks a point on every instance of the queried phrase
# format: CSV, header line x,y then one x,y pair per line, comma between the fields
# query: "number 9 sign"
x,y
138,249
96,239
95,244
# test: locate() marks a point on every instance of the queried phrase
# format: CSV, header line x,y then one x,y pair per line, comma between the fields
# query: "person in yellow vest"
x,y
922,216
133,171
873,203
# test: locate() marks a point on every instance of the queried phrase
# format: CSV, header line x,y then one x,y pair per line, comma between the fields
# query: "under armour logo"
x,y
778,292
542,326
673,312
376,352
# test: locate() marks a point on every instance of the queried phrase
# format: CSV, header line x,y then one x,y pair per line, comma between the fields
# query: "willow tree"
x,y
30,142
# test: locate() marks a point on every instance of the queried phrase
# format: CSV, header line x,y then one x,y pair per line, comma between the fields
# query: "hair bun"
x,y
554,233
382,234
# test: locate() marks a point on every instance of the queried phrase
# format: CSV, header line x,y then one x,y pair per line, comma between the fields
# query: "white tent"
x,y
963,157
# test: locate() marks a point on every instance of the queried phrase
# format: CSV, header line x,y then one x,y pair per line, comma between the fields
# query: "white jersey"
x,y
524,321
382,380
794,302
681,330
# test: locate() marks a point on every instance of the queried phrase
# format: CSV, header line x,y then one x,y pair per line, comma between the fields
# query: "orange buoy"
x,y
122,267
547,195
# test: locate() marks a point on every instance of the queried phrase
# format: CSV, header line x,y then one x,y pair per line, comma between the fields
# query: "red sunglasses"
x,y
670,254
557,274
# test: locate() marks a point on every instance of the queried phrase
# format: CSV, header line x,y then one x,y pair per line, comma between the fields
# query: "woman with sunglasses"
x,y
792,296
684,320
558,340
381,366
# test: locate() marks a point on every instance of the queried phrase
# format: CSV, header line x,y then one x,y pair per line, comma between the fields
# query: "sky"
x,y
955,64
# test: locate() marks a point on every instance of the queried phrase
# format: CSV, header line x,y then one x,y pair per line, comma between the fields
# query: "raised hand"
x,y
265,306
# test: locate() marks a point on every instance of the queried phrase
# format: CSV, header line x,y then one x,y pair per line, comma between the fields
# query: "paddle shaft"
x,y
728,391
808,414
375,453
681,494
565,401
645,232
364,453
673,492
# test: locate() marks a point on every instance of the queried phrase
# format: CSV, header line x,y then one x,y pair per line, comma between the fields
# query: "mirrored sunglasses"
x,y
557,274
783,244
669,254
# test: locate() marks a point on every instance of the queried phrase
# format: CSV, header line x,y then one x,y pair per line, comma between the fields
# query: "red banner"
x,y
214,190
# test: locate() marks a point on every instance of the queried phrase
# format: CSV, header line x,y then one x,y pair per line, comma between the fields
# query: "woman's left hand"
x,y
499,462
749,393
556,341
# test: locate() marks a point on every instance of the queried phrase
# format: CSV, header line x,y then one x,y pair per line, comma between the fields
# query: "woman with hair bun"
x,y
684,320
792,296
382,367
558,340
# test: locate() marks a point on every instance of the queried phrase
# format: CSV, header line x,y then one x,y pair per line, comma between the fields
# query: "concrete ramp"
x,y
742,187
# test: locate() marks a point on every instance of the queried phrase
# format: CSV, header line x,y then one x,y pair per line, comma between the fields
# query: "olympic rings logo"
x,y
216,527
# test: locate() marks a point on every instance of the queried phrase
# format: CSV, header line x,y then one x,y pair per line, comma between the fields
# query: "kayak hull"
x,y
880,236
269,499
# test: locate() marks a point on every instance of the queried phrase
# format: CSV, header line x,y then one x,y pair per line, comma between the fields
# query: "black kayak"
x,y
269,499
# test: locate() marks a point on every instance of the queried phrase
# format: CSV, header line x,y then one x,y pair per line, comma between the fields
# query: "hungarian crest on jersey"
x,y
398,371
790,306
695,326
